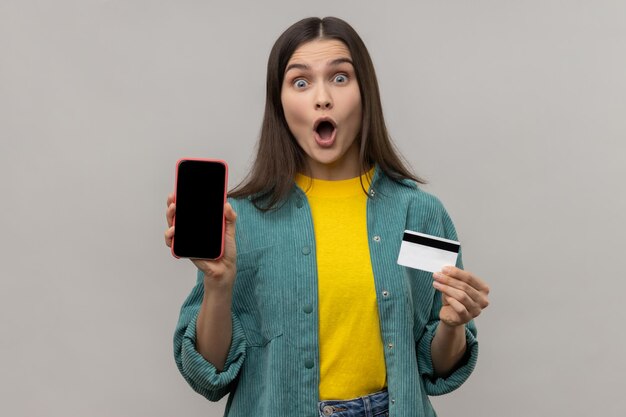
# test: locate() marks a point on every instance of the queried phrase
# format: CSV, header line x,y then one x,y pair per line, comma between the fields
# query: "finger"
x,y
460,309
229,213
231,219
472,292
467,277
170,199
169,214
169,235
459,296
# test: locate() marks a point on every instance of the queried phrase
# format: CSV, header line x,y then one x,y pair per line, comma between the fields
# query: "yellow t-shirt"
x,y
352,362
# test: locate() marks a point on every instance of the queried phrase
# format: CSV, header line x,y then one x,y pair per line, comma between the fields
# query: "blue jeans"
x,y
371,405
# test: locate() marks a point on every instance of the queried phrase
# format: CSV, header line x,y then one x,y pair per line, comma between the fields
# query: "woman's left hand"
x,y
464,295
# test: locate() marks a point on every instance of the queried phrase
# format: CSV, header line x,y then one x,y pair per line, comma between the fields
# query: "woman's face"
x,y
322,105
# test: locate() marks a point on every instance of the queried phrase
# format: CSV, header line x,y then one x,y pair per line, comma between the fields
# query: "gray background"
x,y
513,110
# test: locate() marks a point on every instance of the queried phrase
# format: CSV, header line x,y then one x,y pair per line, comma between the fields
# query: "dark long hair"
x,y
279,157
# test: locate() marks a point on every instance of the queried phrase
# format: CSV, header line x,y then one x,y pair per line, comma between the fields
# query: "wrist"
x,y
450,327
451,331
221,280
219,292
220,288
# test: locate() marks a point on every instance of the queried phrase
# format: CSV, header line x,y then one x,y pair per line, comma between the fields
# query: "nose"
x,y
324,105
323,100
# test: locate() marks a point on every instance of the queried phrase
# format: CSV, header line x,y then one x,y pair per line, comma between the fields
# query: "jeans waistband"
x,y
376,404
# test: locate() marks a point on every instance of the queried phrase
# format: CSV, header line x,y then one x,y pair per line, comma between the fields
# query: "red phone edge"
x,y
220,161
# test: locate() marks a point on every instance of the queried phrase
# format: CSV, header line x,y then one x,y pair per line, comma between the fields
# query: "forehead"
x,y
320,50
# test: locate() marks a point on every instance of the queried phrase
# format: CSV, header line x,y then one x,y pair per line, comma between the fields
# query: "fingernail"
x,y
447,270
437,275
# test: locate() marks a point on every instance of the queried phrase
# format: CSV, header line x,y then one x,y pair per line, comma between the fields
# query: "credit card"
x,y
427,252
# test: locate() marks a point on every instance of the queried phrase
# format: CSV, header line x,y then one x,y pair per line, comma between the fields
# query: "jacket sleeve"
x,y
437,385
201,375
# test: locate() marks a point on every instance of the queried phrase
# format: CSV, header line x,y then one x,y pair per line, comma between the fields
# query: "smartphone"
x,y
200,196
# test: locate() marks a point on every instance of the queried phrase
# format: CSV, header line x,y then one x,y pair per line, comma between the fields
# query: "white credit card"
x,y
426,252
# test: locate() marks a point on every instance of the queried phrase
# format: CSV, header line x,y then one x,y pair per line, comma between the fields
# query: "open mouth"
x,y
325,132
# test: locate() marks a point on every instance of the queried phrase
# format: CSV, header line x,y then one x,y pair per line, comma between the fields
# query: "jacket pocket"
x,y
258,296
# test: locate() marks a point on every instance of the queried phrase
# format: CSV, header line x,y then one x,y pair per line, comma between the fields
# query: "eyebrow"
x,y
333,63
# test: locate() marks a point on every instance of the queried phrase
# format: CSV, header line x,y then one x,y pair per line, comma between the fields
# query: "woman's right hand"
x,y
218,274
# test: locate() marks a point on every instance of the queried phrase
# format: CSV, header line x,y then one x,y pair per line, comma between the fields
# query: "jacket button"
x,y
376,238
308,308
308,364
372,193
385,293
306,250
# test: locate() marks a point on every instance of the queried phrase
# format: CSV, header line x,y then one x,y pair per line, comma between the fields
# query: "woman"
x,y
308,313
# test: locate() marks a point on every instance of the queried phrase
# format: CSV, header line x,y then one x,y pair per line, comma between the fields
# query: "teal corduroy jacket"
x,y
272,367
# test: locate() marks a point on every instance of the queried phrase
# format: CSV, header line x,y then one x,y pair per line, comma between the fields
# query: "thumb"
x,y
230,216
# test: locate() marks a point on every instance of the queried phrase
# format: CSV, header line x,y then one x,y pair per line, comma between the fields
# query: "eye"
x,y
300,83
341,78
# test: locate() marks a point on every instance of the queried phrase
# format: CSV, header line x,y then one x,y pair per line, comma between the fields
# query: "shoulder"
x,y
256,228
424,211
248,214
241,204
247,208
407,191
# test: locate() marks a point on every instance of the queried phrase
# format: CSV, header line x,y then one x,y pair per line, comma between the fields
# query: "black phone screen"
x,y
199,219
